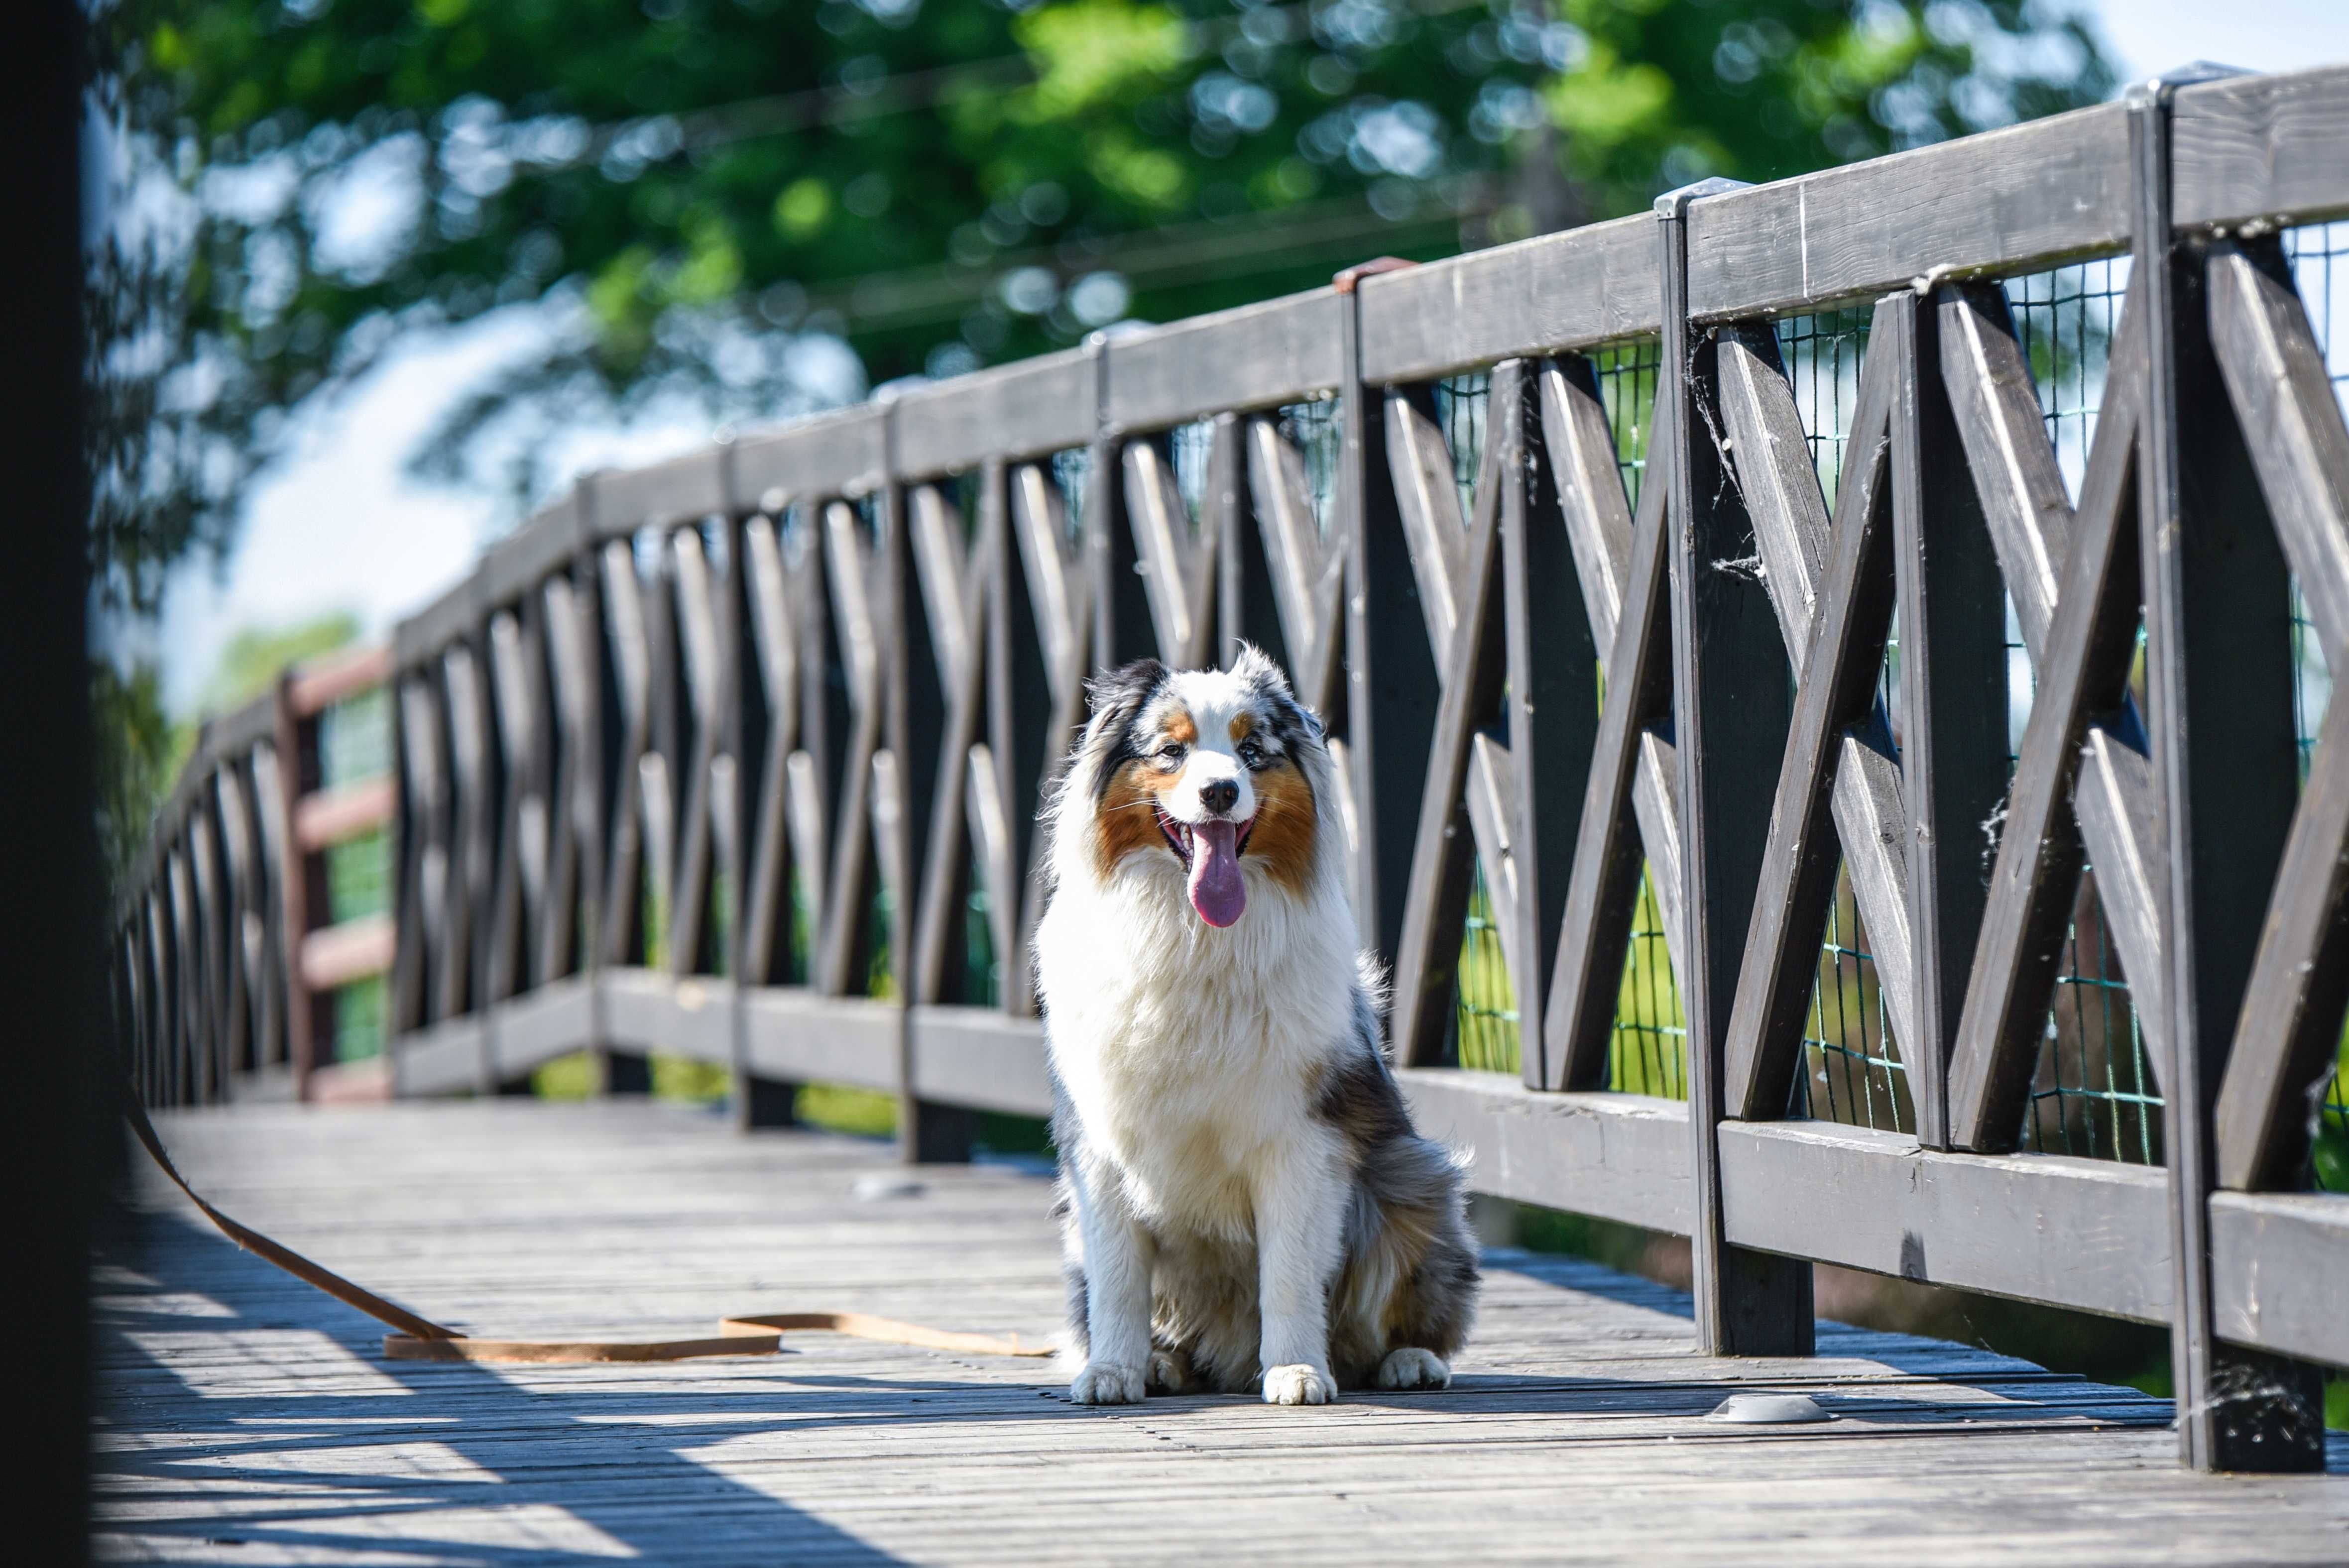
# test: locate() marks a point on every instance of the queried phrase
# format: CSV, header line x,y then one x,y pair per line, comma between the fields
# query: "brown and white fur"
x,y
1246,1204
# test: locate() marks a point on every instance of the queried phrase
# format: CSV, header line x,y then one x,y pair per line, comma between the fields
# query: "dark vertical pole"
x,y
1553,703
594,802
928,1133
1952,730
485,825
756,1102
297,776
1121,627
1732,708
2219,681
1018,712
1246,610
56,1131
1392,691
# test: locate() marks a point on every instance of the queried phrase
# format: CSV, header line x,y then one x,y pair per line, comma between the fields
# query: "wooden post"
x,y
1391,689
1730,713
1122,625
1553,704
928,1133
1954,702
757,1102
2219,680
309,1015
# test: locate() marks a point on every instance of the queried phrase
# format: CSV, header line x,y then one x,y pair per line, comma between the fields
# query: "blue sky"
x,y
341,527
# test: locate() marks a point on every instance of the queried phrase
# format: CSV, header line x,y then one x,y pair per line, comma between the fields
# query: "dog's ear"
x,y
1116,696
1265,683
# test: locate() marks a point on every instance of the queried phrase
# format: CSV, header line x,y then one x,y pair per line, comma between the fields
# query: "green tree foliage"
x,y
255,656
707,187
139,753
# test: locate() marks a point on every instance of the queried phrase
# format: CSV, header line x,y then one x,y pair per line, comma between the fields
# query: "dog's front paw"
x,y
1413,1369
1300,1384
1107,1383
1170,1372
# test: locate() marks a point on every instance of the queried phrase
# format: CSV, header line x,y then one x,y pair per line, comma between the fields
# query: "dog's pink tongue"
x,y
1216,890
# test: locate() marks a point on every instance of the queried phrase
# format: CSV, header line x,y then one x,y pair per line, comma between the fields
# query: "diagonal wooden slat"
x,y
575,683
1472,664
243,935
516,677
2031,524
2287,1036
955,594
777,853
700,849
1048,578
1953,707
1419,465
1308,568
1551,712
1177,557
620,920
423,936
1837,674
468,754
1630,764
2284,399
2082,636
853,568
1790,531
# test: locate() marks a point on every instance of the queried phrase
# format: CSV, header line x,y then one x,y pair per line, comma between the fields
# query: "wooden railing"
x,y
737,756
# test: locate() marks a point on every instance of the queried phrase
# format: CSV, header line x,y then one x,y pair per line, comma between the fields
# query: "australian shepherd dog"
x,y
1245,1203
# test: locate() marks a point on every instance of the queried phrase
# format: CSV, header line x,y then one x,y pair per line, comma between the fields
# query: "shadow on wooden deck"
x,y
249,1419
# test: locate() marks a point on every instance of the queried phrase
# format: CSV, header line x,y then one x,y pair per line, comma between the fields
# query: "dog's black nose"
x,y
1220,796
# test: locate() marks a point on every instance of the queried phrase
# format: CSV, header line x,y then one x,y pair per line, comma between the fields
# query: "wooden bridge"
x,y
1781,830
249,1419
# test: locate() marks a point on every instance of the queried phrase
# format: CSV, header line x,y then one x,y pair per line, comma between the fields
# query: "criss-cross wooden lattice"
x,y
2082,777
1622,561
2287,1039
784,601
1832,586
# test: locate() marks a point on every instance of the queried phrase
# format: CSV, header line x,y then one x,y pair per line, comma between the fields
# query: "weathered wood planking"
x,y
2029,195
249,1419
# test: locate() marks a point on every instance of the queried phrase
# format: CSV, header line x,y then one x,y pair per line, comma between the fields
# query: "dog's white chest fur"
x,y
1192,1055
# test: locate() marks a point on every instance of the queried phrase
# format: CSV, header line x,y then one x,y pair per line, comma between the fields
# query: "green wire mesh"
x,y
1852,1071
1485,1011
2093,1092
355,744
1646,1051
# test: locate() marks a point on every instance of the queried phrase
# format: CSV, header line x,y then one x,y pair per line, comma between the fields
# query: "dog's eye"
x,y
1252,754
1170,756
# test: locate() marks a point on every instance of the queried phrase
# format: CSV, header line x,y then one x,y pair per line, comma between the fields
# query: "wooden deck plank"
x,y
249,1419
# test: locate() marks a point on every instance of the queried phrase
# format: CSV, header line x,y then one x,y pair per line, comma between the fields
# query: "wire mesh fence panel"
x,y
355,746
1852,1071
982,977
1646,1051
2094,1092
1461,403
1072,470
2320,267
1190,449
1316,429
1485,1020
